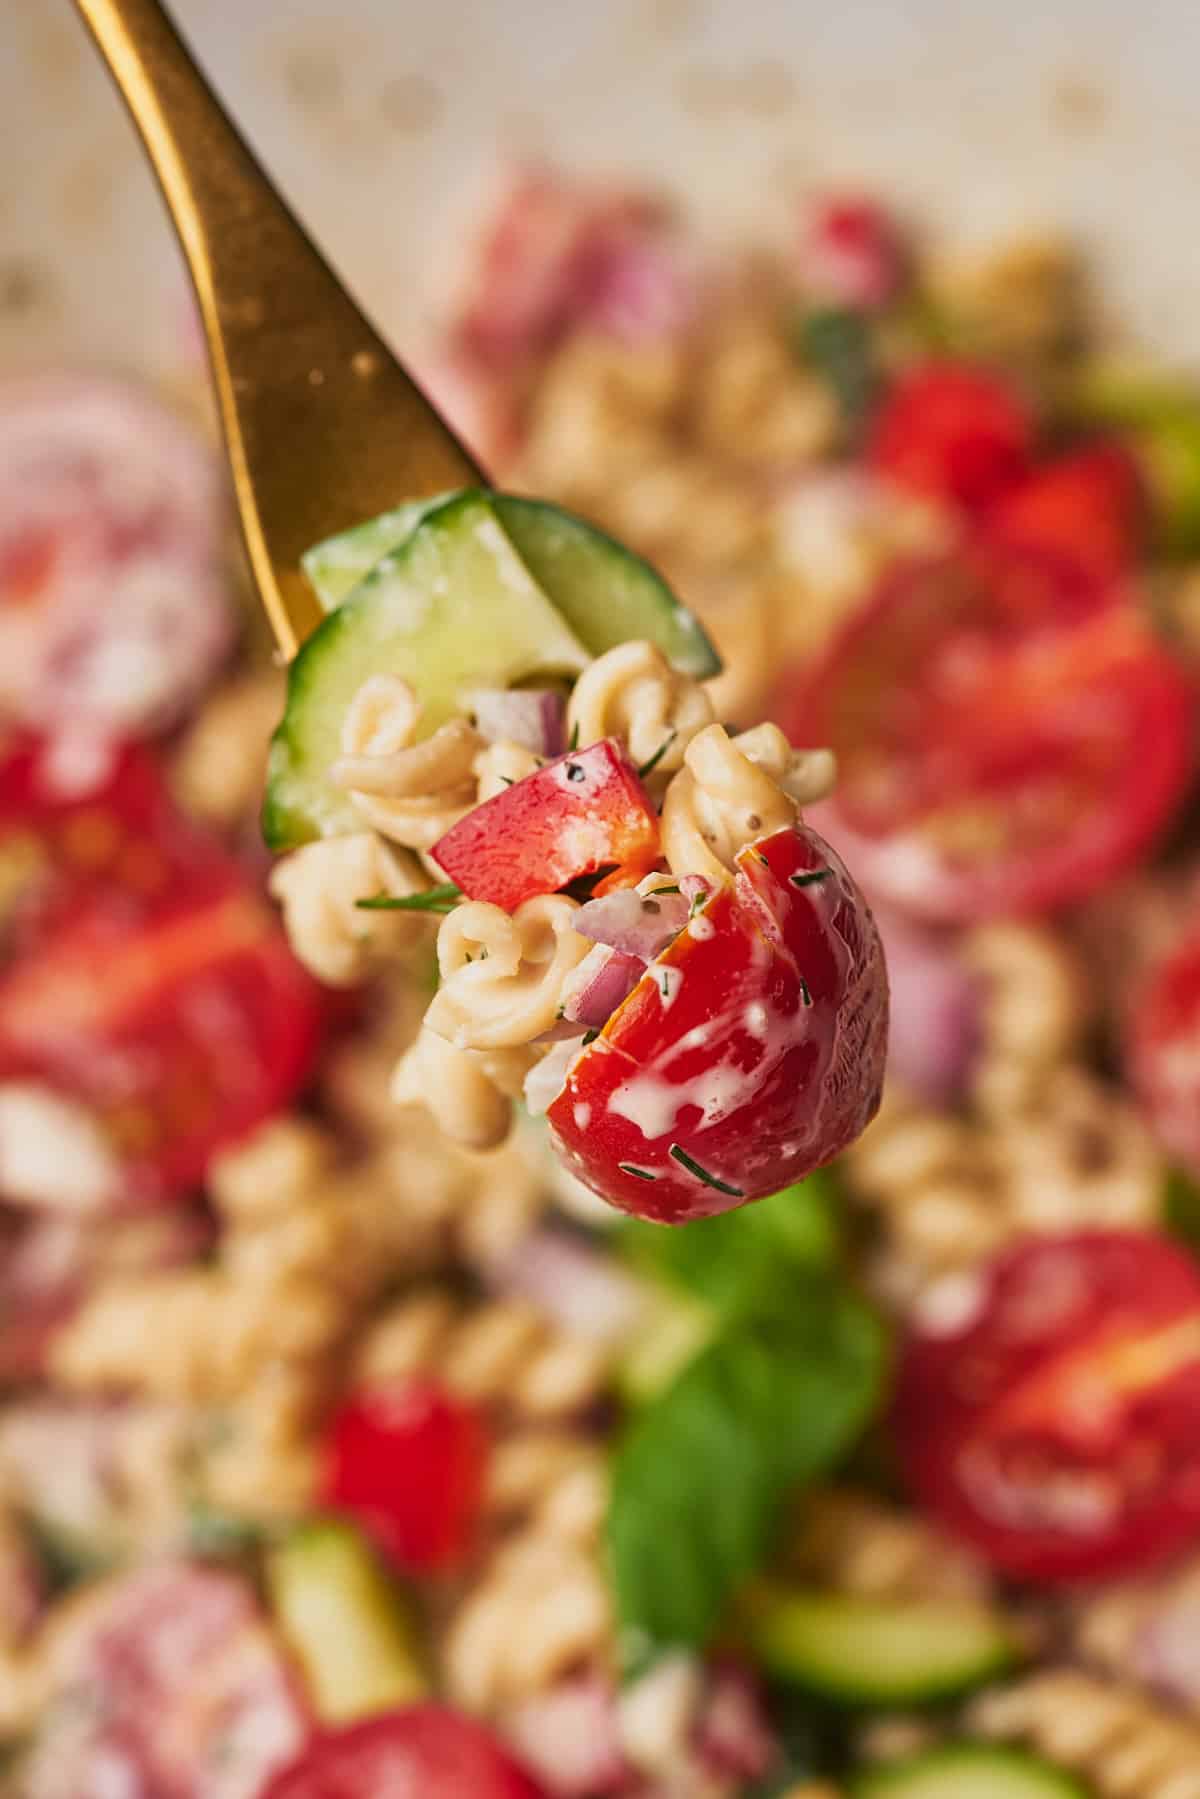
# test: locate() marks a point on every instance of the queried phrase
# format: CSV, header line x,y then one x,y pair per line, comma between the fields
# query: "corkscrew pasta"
x,y
732,790
633,693
411,791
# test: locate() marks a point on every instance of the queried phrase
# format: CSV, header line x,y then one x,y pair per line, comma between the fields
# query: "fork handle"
x,y
308,456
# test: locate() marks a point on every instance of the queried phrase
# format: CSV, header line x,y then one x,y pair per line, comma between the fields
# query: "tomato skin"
x,y
579,813
408,1463
1055,1430
419,1752
851,253
149,978
768,1014
1009,734
952,431
1162,1047
1090,505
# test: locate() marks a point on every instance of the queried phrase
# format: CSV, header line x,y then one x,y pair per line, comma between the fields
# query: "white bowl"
x,y
381,118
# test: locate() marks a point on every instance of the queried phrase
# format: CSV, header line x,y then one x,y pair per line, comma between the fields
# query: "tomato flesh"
x,y
1009,734
749,1053
420,1752
1055,1429
149,978
1089,505
1163,1049
951,431
580,813
408,1463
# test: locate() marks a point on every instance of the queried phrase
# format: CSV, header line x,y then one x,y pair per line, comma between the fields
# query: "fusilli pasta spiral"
x,y
734,790
319,887
633,693
411,791
502,975
468,1091
1124,1744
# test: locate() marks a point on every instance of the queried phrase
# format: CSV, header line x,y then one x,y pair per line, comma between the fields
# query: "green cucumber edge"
x,y
1025,1776
810,1667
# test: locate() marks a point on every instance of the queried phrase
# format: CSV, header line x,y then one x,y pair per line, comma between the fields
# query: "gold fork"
x,y
323,426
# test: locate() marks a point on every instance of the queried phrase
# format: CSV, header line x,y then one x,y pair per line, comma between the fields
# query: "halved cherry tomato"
x,y
1009,734
1163,1047
1090,505
408,1463
421,1752
952,431
150,979
750,1052
1056,1428
579,813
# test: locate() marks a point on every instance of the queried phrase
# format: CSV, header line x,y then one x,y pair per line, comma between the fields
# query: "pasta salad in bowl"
x,y
831,629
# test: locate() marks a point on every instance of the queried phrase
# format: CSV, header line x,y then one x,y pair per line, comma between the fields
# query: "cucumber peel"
x,y
346,1621
605,592
967,1771
861,1651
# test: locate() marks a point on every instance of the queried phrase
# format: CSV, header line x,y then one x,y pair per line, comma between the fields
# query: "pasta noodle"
x,y
411,791
502,976
468,1091
1124,1744
734,790
319,887
633,693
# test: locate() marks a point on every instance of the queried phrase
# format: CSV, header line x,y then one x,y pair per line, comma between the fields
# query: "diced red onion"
x,y
568,1737
639,289
1166,1653
532,717
637,924
583,1289
733,1736
597,986
546,1079
936,1010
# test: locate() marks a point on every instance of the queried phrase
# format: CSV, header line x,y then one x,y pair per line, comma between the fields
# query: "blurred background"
x,y
381,121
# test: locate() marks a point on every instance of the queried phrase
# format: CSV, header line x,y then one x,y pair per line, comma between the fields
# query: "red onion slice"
x,y
583,1289
598,985
733,1736
635,923
935,1010
568,1737
530,716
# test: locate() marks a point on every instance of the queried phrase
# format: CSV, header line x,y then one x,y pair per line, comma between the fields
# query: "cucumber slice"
x,y
335,567
345,1621
606,593
453,608
967,1771
863,1651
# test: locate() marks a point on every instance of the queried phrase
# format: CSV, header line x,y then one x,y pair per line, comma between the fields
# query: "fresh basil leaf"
x,y
742,1257
836,341
701,1479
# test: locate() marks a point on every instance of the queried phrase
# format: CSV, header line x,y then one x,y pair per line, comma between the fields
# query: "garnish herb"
x,y
574,743
805,994
653,762
590,1036
810,877
772,1404
642,1174
698,900
680,1155
442,898
836,341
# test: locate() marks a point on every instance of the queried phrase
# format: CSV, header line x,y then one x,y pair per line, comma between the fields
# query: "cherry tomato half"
x,y
150,978
1009,734
1056,1428
408,1463
749,1053
1163,1048
952,431
579,813
421,1752
1090,505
